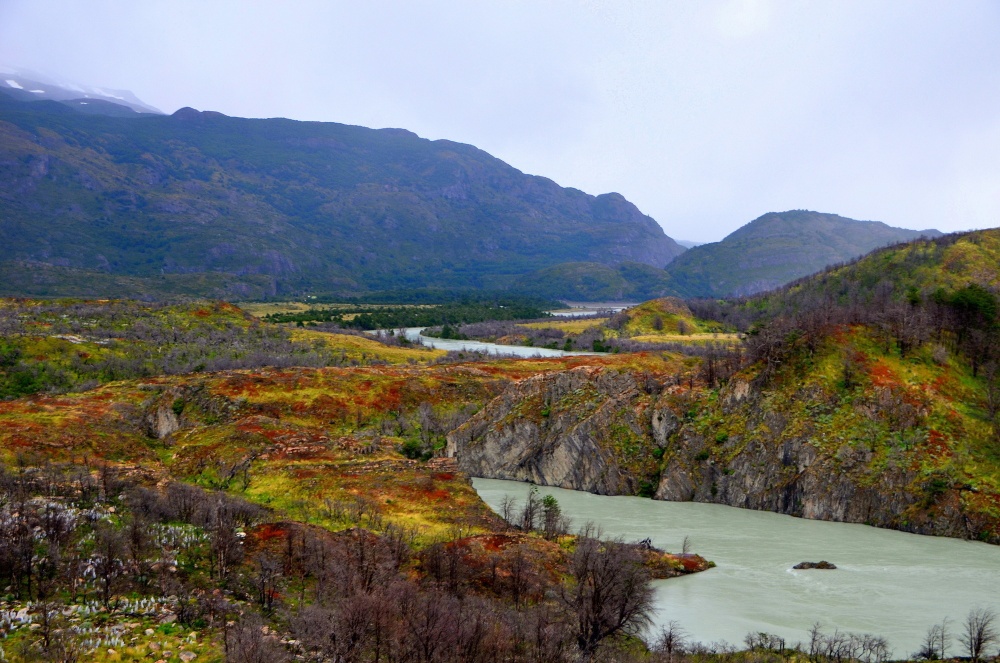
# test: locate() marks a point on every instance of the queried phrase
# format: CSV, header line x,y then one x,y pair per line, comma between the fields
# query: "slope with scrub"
x,y
869,393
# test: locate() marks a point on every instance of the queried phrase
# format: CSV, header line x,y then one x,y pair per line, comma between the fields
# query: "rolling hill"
x,y
777,248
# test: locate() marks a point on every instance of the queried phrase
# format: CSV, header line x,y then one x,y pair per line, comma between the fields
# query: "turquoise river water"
x,y
888,583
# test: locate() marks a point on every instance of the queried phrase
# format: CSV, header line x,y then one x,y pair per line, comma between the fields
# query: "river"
x,y
413,334
888,583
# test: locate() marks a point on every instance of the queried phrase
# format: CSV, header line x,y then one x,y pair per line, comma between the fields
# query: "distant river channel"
x,y
887,583
414,334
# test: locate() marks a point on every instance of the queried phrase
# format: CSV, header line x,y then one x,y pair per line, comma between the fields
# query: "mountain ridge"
x,y
314,207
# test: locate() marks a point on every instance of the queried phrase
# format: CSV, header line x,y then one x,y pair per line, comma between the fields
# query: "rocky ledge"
x,y
619,433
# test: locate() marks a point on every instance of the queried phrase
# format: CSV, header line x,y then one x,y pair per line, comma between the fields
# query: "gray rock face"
x,y
596,430
557,430
165,422
790,478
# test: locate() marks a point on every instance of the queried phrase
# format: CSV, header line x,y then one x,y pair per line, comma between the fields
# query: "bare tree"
x,y
518,572
109,548
979,632
531,511
815,640
246,642
508,506
935,644
53,640
671,642
610,592
944,637
265,582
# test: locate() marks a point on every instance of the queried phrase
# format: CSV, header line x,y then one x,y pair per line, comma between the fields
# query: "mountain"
x,y
777,248
589,281
30,86
279,207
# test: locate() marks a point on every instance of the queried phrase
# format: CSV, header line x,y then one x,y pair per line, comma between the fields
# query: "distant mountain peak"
x,y
777,248
26,85
796,220
187,113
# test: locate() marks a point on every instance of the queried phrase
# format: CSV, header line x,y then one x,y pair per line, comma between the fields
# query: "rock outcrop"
x,y
585,428
824,565
165,422
598,430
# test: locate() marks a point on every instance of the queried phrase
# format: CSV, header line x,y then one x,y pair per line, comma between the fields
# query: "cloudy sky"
x,y
706,114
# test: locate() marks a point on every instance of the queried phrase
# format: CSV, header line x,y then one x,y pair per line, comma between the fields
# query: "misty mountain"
x,y
778,248
30,86
245,207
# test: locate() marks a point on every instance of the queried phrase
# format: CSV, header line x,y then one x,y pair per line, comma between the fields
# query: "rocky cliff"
x,y
585,428
788,466
617,433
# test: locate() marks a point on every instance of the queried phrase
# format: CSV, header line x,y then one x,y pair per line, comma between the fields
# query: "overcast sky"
x,y
704,114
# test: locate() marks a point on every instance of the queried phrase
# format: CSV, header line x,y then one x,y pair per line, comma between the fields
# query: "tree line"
x,y
396,317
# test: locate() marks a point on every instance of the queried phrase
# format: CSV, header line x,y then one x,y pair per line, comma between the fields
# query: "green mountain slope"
x,y
301,206
589,281
923,275
777,248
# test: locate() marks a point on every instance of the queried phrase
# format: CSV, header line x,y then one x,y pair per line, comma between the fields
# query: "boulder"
x,y
815,565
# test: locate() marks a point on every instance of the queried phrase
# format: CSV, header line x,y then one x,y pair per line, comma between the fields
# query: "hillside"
x,y
777,248
316,501
869,393
923,272
232,207
589,281
280,513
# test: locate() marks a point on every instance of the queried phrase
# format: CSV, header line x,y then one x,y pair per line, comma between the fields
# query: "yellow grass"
x,y
687,338
260,309
568,326
357,347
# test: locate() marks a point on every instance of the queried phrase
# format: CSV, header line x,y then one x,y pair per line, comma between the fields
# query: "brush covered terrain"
x,y
279,511
868,393
263,505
